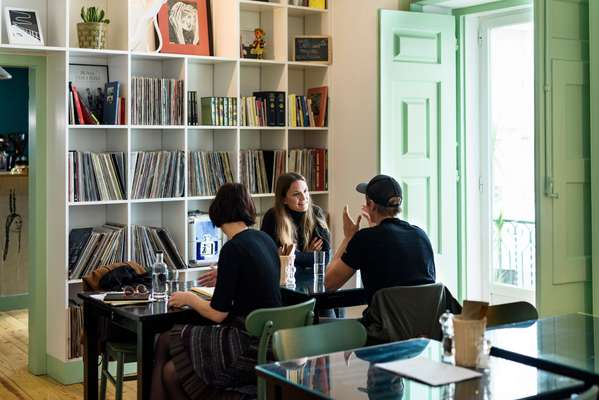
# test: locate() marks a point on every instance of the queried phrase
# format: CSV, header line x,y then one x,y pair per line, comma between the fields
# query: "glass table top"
x,y
353,375
569,341
307,283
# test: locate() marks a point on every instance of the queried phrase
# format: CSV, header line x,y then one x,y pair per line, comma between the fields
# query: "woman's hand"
x,y
180,299
349,226
315,244
208,279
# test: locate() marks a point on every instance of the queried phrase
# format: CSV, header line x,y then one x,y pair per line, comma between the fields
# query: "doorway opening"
x,y
502,145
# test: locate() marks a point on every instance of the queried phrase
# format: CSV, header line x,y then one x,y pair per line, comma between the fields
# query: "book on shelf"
x,y
75,332
263,109
192,108
148,240
104,245
156,101
260,169
101,107
158,174
208,171
321,4
205,239
96,176
312,164
219,111
310,110
111,103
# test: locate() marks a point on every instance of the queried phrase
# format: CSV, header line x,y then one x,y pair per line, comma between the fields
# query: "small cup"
x,y
287,276
320,258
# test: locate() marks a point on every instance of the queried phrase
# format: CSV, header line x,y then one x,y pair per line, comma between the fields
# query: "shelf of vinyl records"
x,y
118,212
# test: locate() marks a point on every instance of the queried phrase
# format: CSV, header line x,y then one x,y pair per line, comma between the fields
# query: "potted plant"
x,y
92,31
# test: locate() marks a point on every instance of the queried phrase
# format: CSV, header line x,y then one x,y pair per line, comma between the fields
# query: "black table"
x,y
307,287
352,375
567,345
145,320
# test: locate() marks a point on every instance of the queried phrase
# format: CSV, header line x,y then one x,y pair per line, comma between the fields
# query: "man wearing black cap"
x,y
390,252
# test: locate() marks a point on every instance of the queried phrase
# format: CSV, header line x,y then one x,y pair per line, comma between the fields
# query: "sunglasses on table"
x,y
135,290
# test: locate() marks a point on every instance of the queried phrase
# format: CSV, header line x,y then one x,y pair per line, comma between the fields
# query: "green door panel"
x,y
563,157
418,125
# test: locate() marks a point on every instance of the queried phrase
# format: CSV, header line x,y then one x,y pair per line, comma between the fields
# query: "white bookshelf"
x,y
224,74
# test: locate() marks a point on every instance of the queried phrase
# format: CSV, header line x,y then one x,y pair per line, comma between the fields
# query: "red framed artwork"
x,y
319,97
186,27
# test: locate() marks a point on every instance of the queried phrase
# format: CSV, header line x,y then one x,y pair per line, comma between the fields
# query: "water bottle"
x,y
446,321
159,277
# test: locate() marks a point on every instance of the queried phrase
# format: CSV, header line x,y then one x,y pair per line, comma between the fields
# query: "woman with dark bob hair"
x,y
193,361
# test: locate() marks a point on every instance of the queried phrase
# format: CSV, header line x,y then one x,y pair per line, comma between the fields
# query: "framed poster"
x,y
312,48
319,97
186,27
23,26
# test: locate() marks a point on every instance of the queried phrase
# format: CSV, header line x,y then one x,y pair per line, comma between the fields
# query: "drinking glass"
x,y
320,258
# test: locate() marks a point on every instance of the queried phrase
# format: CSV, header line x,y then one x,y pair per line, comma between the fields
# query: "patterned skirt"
x,y
215,361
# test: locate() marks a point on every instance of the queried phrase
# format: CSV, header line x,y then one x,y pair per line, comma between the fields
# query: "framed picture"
x,y
319,97
23,26
312,48
186,27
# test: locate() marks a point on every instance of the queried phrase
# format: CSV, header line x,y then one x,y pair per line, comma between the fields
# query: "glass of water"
x,y
320,258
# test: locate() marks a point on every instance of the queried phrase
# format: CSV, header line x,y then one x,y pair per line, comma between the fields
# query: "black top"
x,y
248,274
303,259
393,253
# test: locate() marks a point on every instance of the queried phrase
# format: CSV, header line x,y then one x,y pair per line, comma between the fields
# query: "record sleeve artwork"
x,y
13,224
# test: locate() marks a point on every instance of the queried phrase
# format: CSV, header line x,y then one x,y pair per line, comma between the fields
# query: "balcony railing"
x,y
514,253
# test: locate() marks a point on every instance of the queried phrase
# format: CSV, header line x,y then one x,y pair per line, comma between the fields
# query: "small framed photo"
x,y
23,26
318,98
312,48
186,27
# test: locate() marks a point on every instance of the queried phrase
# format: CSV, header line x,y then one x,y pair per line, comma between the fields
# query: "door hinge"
x,y
549,186
481,186
457,175
480,39
457,44
547,88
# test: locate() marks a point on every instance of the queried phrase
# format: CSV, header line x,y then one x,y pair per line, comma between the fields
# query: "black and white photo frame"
x,y
23,26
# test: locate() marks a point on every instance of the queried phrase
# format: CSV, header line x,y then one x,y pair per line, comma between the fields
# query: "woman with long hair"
x,y
295,219
206,361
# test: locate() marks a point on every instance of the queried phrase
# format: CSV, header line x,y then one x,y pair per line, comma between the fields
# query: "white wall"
x,y
354,154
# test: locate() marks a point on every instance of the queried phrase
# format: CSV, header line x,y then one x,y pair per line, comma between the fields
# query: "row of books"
x,y
301,112
96,176
90,248
261,168
216,111
158,174
148,240
308,3
263,109
104,106
208,171
75,321
312,164
157,101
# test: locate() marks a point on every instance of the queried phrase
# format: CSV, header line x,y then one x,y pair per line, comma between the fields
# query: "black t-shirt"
x,y
303,259
393,253
248,274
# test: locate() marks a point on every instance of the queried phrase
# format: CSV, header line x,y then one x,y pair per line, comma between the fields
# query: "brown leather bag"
x,y
91,282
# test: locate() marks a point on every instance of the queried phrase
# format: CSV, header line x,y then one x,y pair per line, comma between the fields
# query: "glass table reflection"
x,y
353,375
568,344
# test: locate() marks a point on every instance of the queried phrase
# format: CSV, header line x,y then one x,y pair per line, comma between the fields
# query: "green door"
x,y
418,125
563,157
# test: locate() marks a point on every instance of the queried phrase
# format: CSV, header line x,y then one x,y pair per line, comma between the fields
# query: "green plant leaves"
x,y
93,14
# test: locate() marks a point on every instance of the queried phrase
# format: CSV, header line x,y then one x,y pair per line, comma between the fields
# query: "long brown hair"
x,y
285,230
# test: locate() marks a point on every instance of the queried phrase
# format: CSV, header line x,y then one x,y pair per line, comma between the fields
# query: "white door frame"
x,y
487,23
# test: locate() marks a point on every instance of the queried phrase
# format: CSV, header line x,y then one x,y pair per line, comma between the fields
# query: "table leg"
x,y
145,360
90,353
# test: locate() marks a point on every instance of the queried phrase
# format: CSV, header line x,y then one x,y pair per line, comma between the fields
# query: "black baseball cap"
x,y
381,189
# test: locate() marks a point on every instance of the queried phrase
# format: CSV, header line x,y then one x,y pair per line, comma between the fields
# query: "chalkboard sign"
x,y
312,48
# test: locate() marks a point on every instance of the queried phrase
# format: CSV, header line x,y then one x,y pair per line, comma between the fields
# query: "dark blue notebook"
x,y
111,103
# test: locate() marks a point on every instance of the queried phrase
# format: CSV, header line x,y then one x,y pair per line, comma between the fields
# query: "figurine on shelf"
x,y
256,48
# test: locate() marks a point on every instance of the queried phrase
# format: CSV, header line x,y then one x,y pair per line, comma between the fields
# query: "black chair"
x,y
510,313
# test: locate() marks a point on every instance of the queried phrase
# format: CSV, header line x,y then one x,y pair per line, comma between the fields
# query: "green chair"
x,y
590,394
264,322
122,353
508,313
313,340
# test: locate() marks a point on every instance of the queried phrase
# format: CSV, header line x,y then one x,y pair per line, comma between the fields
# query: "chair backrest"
x,y
591,394
507,313
312,340
406,312
264,322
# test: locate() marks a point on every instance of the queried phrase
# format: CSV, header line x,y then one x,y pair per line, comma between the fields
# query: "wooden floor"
x,y
16,383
